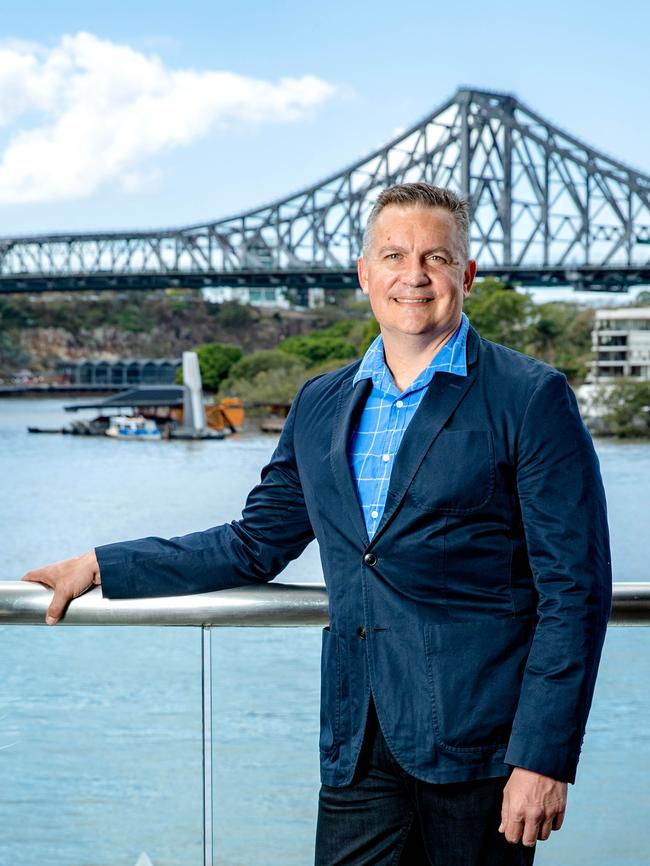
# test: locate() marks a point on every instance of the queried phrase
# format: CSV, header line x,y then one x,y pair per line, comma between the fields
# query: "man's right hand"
x,y
69,579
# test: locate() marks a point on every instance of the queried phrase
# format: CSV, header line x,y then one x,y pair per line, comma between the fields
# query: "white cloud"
x,y
88,112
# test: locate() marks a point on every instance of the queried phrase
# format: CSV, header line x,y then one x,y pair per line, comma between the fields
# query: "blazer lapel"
x,y
350,403
438,404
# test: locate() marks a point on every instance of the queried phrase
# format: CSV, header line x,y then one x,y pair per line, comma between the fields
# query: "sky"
x,y
135,115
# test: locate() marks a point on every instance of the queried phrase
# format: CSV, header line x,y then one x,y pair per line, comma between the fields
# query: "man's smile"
x,y
412,300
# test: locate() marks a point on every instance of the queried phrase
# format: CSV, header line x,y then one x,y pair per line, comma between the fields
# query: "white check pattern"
x,y
375,441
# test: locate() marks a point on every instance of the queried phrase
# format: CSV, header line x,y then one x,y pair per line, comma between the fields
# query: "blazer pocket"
x,y
330,691
457,473
475,670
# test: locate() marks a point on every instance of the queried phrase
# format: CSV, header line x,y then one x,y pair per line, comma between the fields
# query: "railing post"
x,y
206,681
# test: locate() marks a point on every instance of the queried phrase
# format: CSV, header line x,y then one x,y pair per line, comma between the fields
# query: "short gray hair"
x,y
421,195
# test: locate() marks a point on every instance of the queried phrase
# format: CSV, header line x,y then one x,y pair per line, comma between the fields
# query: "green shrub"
x,y
215,363
499,314
268,376
627,408
263,361
318,347
15,314
370,333
12,356
269,386
232,314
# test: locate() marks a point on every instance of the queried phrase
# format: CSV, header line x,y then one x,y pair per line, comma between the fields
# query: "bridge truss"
x,y
546,210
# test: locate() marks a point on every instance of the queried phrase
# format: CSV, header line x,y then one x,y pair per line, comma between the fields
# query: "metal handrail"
x,y
276,604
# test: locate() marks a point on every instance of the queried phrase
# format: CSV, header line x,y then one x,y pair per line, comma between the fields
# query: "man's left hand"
x,y
533,805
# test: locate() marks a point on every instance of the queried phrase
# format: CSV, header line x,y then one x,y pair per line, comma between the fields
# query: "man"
x,y
469,585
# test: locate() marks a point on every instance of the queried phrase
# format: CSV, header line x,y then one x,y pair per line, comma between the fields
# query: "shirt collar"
x,y
452,358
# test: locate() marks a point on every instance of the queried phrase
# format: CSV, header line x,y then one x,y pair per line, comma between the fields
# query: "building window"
x,y
101,374
149,374
117,374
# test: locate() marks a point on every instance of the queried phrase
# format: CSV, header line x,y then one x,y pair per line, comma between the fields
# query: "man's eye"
x,y
438,260
392,257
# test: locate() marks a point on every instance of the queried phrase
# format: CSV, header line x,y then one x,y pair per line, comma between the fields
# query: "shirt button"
x,y
386,458
361,632
370,559
399,404
374,514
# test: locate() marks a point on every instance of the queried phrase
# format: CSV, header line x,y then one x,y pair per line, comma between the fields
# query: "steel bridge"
x,y
547,209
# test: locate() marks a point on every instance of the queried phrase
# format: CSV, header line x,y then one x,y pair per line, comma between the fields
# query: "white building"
x,y
262,297
270,297
621,344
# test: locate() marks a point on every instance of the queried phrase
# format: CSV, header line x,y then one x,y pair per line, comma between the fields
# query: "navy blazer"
x,y
477,613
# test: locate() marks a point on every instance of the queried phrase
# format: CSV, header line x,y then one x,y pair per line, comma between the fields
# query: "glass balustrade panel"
x,y
100,746
265,745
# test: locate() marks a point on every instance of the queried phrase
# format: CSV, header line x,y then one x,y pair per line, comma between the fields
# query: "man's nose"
x,y
415,273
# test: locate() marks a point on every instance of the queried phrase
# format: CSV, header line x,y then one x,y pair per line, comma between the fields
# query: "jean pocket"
x,y
330,691
476,670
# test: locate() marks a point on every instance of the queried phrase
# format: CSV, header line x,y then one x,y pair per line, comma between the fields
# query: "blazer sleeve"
x,y
565,523
273,530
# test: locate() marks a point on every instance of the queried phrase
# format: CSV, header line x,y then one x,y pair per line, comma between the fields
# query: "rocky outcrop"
x,y
159,327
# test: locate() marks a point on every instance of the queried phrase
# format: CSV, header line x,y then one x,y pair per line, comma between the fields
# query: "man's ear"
x,y
468,276
362,273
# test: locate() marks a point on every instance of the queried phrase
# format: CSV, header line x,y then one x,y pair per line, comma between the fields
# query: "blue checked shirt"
x,y
376,438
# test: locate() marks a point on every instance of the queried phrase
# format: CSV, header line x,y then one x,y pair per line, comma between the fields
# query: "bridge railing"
x,y
274,605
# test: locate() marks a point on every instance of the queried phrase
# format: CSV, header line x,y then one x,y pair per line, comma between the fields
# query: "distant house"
x,y
128,371
256,297
621,344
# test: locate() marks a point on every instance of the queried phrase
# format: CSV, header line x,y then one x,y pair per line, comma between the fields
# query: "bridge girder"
x,y
546,209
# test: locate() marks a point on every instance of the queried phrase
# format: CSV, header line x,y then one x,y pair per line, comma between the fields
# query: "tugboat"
x,y
134,428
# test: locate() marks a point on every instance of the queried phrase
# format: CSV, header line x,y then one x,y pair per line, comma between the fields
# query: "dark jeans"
x,y
387,817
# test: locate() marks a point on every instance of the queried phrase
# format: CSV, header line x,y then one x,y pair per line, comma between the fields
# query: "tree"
x,y
560,334
232,314
627,408
215,362
15,314
498,313
12,355
544,332
370,333
641,300
269,376
262,362
320,346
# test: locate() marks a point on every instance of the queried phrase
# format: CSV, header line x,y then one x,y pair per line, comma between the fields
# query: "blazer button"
x,y
370,559
361,632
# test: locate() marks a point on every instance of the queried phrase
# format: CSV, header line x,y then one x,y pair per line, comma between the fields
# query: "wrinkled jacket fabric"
x,y
477,613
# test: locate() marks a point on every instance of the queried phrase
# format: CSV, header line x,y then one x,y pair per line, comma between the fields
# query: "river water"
x,y
100,729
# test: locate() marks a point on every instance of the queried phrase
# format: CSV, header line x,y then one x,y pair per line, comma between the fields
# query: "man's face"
x,y
414,274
